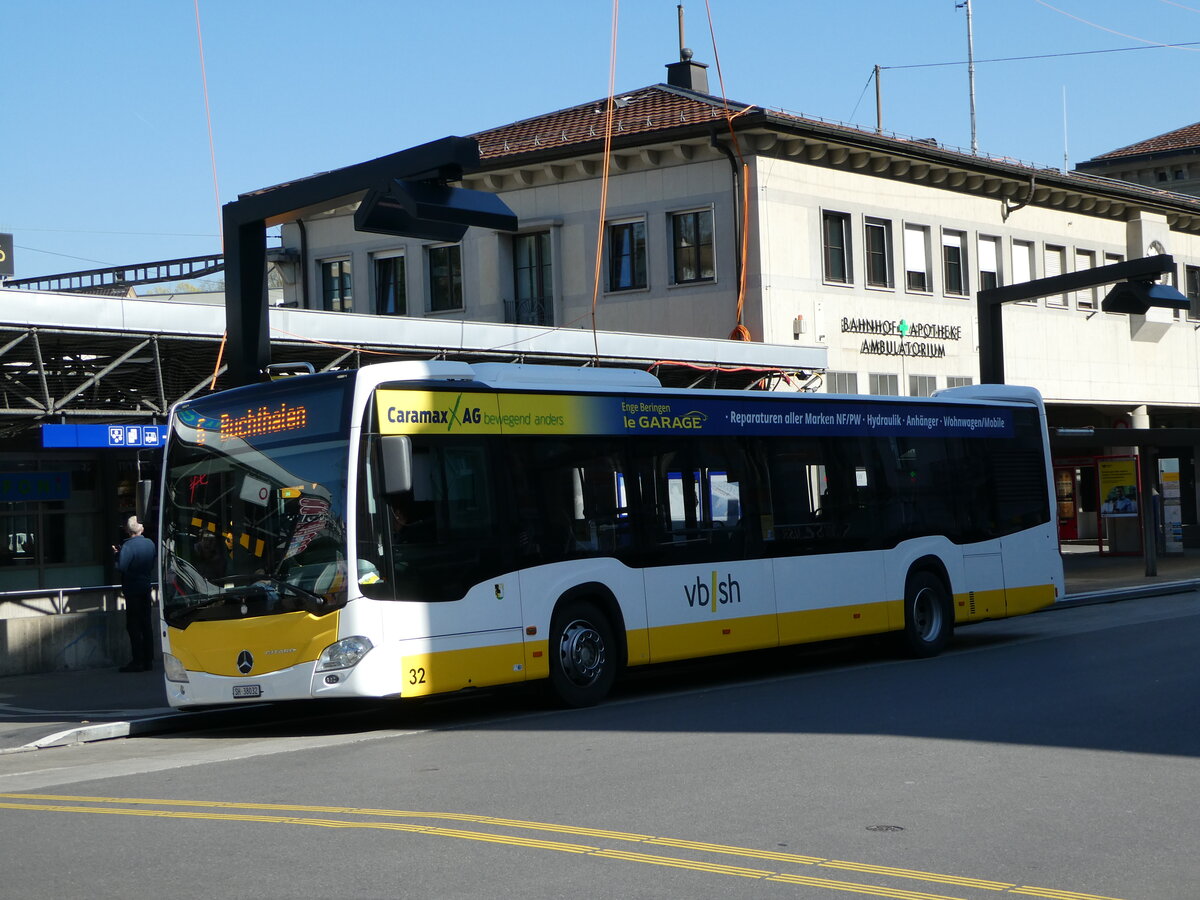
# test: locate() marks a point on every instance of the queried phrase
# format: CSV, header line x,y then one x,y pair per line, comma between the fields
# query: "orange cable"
x,y
740,331
220,356
608,124
212,155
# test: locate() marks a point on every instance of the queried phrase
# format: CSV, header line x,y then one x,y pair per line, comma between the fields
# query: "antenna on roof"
x,y
686,73
970,71
684,53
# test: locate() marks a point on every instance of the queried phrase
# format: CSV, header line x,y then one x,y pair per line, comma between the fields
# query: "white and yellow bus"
x,y
422,527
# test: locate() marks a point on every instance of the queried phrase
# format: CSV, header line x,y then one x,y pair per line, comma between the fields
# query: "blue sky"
x,y
105,155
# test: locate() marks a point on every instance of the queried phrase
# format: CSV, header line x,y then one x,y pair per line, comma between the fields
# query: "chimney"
x,y
685,73
688,74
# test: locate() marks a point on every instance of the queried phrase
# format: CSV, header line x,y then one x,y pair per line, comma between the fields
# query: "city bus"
x,y
415,528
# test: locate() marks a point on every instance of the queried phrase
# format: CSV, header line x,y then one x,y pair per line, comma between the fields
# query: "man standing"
x,y
135,562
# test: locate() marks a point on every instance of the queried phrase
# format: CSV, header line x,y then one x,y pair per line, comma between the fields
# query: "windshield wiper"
x,y
245,589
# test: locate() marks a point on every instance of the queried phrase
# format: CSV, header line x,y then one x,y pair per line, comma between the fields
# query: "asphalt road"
x,y
1050,756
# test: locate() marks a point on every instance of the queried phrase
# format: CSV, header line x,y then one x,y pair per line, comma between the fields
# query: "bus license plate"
x,y
242,691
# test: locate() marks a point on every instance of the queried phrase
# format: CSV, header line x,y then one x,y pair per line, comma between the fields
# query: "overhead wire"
x,y
962,62
1099,27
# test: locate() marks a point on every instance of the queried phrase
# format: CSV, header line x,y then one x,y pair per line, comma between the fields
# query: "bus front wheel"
x,y
928,615
582,654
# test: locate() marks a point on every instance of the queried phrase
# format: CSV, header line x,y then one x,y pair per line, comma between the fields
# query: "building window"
x,y
627,256
445,278
958,380
1191,275
337,286
878,250
1085,298
841,382
532,272
57,542
989,263
836,239
884,385
391,298
922,385
692,246
916,258
954,263
1055,264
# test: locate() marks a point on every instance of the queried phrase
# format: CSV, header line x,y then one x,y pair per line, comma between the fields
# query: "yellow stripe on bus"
x,y
835,622
276,642
454,670
710,638
1028,599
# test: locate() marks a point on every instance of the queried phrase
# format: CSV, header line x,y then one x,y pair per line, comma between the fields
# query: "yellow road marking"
x,y
850,886
922,876
736,851
676,863
1054,894
204,810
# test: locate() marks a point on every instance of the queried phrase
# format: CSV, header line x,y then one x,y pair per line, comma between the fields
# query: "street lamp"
x,y
1136,298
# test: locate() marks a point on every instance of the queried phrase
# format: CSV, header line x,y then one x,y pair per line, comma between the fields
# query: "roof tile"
x,y
644,111
1185,138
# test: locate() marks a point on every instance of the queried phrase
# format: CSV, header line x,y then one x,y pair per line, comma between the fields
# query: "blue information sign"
x,y
104,435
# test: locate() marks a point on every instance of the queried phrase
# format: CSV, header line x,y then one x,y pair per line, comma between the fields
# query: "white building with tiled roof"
x,y
867,244
1170,161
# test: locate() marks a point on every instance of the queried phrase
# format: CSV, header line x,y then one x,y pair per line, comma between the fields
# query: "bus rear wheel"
x,y
928,615
582,654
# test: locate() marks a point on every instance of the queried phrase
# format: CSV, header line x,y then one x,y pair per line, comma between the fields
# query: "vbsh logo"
x,y
716,592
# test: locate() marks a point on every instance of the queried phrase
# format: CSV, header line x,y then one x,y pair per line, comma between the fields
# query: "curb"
x,y
1113,595
172,720
101,731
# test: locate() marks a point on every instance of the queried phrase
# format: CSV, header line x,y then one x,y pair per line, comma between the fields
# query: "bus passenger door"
x,y
825,533
703,596
446,562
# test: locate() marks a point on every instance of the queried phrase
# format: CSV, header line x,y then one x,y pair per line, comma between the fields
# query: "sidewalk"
x,y
63,708
54,709
1088,572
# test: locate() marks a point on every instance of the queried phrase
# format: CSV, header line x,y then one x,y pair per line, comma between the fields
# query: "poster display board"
x,y
1117,476
1172,510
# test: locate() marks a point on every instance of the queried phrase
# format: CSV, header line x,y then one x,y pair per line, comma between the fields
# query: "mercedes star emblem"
x,y
245,662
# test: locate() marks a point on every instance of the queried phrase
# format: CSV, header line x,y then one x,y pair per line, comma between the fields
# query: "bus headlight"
x,y
174,669
345,654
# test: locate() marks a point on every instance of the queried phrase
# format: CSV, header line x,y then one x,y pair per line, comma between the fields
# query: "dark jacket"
x,y
135,562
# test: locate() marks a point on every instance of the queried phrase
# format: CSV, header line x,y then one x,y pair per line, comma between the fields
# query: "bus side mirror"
x,y
396,458
145,491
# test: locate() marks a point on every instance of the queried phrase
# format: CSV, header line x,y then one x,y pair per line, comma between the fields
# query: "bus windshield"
x,y
254,503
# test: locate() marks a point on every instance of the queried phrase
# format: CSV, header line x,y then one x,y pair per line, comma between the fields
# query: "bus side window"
x,y
697,496
570,498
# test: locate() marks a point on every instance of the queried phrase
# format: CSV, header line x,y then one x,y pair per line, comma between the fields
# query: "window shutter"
x,y
914,249
987,255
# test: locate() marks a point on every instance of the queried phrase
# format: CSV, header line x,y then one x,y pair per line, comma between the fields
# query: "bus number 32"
x,y
416,676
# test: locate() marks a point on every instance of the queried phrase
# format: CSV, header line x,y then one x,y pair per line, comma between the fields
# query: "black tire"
x,y
928,615
583,661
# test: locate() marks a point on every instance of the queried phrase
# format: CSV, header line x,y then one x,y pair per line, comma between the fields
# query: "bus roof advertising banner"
x,y
453,412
